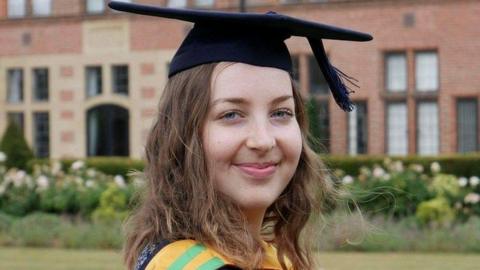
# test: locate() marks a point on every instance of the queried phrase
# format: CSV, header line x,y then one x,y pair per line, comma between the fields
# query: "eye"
x,y
282,114
232,115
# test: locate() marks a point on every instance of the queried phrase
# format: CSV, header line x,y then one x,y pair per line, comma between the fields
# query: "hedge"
x,y
459,165
108,165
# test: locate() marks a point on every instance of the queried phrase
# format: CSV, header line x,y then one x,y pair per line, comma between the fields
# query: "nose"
x,y
261,137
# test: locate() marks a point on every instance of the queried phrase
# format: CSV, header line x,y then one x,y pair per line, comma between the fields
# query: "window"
x,y
16,8
40,84
42,7
120,79
324,125
16,118
177,3
15,85
396,72
426,71
318,84
467,125
94,81
357,129
397,136
204,3
95,6
41,134
427,128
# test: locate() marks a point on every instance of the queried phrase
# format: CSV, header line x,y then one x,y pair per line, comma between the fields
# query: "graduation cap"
x,y
251,38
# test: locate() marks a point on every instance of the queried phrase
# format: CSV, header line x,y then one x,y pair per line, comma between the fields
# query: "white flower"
x,y
462,181
2,189
385,177
78,180
56,167
91,173
417,168
19,178
397,166
365,171
378,172
347,179
42,182
474,181
89,183
77,165
472,198
435,167
3,157
458,205
119,181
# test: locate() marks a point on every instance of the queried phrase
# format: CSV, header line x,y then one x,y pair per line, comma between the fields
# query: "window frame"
x,y
363,103
114,76
387,124
386,72
477,119
416,69
35,89
418,103
21,87
99,82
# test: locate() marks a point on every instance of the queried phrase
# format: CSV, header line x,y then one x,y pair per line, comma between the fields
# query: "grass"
x,y
53,259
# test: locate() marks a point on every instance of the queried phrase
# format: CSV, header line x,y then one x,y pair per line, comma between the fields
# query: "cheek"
x,y
218,145
292,143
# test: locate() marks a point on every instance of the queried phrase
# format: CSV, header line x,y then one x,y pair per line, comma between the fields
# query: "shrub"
x,y
15,147
37,229
113,205
18,199
435,211
459,165
107,165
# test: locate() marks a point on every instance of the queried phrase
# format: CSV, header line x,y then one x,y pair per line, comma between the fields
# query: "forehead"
x,y
231,80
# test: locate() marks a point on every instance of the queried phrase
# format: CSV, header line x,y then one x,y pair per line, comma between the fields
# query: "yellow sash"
x,y
191,255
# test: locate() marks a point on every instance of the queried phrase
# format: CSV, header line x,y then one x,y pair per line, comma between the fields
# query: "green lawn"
x,y
53,259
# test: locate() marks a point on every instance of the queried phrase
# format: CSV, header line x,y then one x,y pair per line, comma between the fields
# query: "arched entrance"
x,y
107,131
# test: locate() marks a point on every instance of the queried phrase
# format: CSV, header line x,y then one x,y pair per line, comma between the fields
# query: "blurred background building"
x,y
82,80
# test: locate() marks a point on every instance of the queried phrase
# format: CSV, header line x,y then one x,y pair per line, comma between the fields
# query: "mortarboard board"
x,y
251,38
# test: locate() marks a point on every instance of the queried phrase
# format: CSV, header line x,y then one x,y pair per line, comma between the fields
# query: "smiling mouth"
x,y
257,170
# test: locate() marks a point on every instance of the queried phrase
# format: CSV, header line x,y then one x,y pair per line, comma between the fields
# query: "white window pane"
x,y
177,3
396,72
426,71
427,122
397,135
95,6
15,86
16,8
204,3
467,125
42,7
352,132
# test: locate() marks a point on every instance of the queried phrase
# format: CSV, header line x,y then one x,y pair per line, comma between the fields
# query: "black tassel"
x,y
335,78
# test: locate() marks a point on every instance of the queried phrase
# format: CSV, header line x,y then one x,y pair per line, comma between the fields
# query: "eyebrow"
x,y
244,101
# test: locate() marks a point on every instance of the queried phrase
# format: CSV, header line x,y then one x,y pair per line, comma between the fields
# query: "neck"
x,y
255,220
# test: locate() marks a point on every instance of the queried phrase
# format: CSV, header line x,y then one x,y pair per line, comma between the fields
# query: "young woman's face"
x,y
251,137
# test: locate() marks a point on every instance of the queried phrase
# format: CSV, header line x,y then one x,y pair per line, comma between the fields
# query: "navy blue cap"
x,y
251,38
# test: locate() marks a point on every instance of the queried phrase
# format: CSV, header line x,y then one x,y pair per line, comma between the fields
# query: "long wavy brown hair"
x,y
179,200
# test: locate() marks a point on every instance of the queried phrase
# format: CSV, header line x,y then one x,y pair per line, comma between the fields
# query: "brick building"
x,y
82,80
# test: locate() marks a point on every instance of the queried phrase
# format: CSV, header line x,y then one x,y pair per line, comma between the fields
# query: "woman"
x,y
231,180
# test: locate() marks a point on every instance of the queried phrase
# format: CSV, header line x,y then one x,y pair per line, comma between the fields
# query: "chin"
x,y
260,202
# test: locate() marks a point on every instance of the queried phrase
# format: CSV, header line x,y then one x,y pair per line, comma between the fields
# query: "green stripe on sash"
x,y
186,257
212,264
